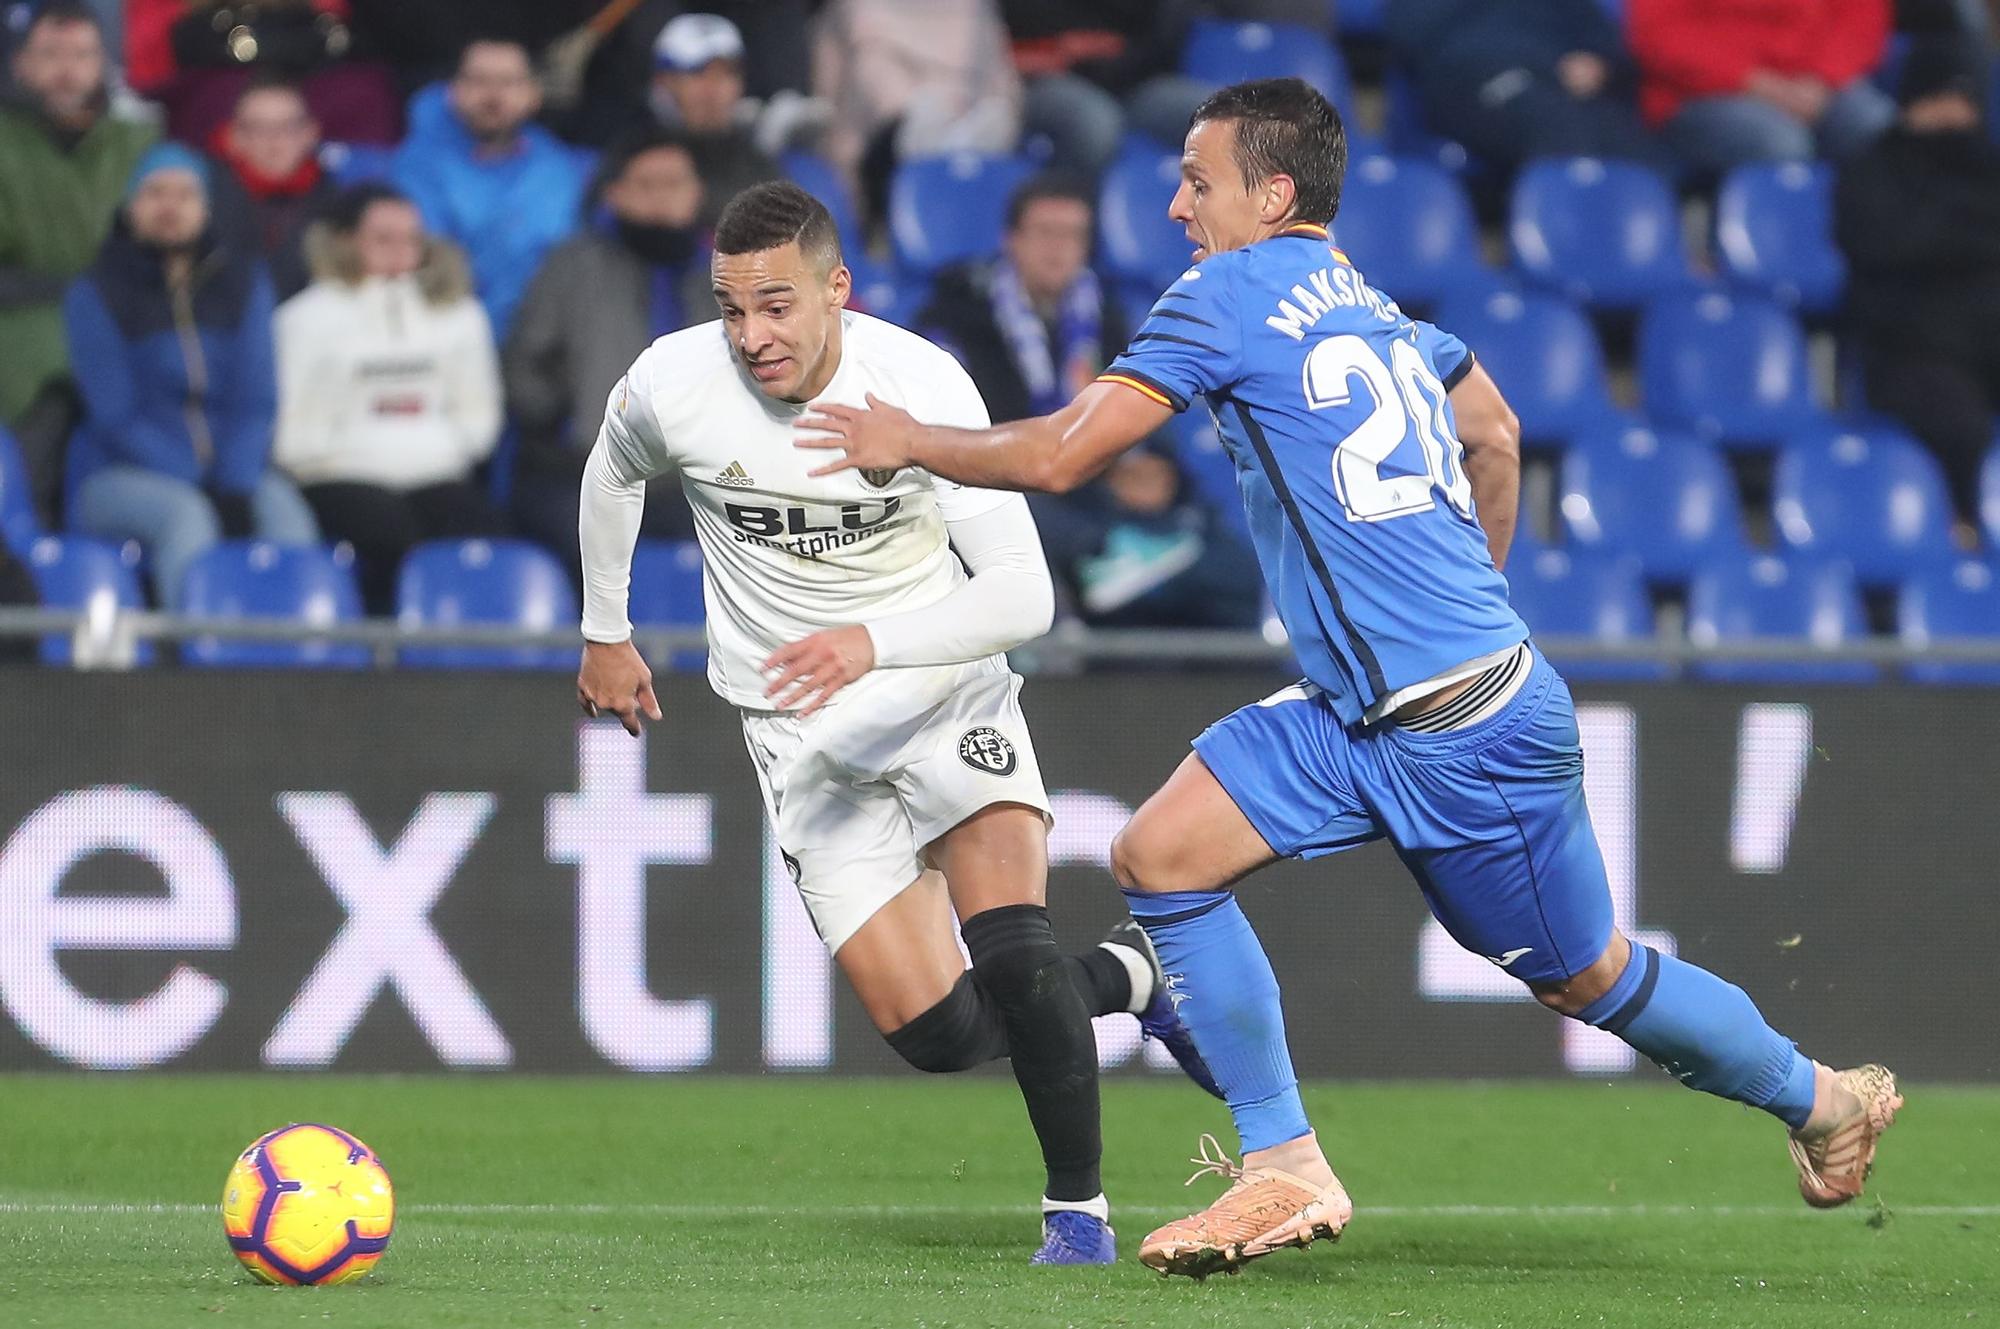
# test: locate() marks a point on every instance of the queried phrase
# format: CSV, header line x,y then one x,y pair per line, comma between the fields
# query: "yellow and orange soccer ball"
x,y
308,1204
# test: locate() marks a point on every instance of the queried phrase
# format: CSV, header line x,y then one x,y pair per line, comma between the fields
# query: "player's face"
x,y
1219,211
783,317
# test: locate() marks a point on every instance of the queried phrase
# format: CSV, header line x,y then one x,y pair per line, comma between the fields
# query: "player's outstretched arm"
x,y
1492,439
1049,454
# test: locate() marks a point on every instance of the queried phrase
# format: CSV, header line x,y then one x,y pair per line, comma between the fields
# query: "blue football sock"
x,y
1227,996
1706,1032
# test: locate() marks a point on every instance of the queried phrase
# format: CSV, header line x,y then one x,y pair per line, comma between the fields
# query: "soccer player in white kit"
x,y
878,708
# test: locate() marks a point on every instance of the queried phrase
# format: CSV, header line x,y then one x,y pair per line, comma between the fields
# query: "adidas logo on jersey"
x,y
734,476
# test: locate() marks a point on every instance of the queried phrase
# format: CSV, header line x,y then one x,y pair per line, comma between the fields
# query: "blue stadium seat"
x,y
1408,226
945,210
1357,18
353,164
1876,499
1765,598
257,579
667,593
1605,233
87,576
1725,367
1545,356
1208,468
1219,51
18,524
1558,593
1774,232
1989,496
1136,241
1410,135
885,293
823,180
452,583
1959,600
1666,500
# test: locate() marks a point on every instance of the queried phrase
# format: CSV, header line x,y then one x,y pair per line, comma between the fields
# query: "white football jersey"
x,y
785,555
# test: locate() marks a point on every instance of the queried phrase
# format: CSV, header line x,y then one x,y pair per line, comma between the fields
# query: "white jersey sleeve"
x,y
630,450
1008,599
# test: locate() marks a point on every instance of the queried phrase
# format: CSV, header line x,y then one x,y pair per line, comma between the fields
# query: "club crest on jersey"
x,y
880,476
986,749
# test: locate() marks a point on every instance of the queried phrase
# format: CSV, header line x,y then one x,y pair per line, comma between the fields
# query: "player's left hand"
x,y
878,438
812,669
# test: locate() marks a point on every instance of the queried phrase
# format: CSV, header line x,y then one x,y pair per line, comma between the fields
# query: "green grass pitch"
x,y
910,1201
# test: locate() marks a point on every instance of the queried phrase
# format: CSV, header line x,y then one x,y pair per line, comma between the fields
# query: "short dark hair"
x,y
350,205
1285,127
775,214
62,11
1051,184
621,152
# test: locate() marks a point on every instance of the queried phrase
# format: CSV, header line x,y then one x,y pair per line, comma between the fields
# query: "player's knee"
x,y
1137,864
1014,955
1573,995
959,1032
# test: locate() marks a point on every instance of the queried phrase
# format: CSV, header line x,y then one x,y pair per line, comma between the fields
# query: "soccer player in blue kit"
x,y
1379,468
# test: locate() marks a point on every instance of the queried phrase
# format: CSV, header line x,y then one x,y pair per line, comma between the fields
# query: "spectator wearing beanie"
x,y
698,89
170,336
638,272
388,388
1918,216
64,164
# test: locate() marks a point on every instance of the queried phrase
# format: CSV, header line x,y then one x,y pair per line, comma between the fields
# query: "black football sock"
x,y
1102,979
960,1032
1014,958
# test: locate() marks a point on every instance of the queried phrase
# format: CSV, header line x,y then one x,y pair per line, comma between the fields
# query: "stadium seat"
x,y
1604,233
353,164
1960,600
1357,18
1544,353
1875,499
1989,496
823,180
18,525
945,210
1558,593
1410,135
90,577
667,593
257,579
1408,226
1774,233
886,294
1208,468
1666,500
1219,51
1765,598
1727,368
1136,241
452,583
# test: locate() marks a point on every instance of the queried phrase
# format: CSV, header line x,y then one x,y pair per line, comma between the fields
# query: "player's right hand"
x,y
614,679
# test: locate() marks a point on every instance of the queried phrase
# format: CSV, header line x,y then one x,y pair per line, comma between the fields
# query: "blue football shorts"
x,y
1490,818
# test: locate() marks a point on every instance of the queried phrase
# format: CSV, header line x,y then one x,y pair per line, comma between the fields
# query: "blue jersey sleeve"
x,y
1449,356
1191,342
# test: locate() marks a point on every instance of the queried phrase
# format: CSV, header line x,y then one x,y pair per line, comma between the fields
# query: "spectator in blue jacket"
x,y
1514,79
483,174
170,343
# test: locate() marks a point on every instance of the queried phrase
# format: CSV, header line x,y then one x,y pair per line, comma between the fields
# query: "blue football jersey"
x,y
1332,405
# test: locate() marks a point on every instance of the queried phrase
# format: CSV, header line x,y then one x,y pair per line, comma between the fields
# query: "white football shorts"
x,y
858,791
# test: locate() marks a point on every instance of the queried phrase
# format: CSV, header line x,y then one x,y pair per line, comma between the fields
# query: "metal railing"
x,y
103,638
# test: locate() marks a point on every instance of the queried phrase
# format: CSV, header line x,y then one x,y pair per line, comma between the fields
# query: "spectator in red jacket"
x,y
1732,81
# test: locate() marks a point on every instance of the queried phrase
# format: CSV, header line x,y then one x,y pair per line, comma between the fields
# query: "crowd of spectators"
x,y
206,336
